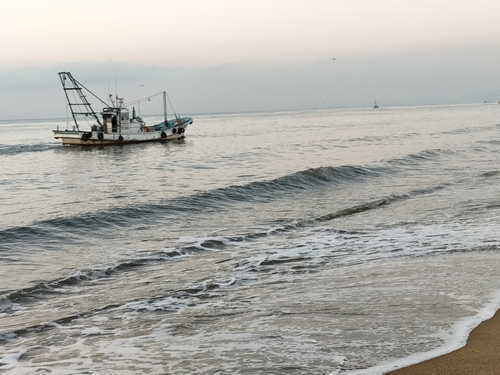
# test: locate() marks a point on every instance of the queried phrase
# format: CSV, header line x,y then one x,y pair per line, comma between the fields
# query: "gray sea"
x,y
340,241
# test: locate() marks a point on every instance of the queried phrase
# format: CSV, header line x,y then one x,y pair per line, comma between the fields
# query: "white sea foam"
x,y
5,304
11,359
167,304
453,339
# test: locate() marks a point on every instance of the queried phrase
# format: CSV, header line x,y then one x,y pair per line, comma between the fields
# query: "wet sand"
x,y
480,356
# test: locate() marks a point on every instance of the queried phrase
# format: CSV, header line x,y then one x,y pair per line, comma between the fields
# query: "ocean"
x,y
326,241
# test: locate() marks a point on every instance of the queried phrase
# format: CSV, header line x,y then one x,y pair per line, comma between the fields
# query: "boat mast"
x,y
77,108
165,106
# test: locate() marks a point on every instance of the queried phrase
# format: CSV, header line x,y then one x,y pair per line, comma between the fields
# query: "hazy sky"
x,y
245,55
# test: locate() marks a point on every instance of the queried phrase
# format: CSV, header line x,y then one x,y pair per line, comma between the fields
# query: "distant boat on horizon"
x,y
376,105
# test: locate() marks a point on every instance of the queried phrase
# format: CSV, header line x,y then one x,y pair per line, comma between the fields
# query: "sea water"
x,y
339,241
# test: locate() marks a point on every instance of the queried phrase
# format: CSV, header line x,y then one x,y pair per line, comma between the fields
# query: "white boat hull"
x,y
132,135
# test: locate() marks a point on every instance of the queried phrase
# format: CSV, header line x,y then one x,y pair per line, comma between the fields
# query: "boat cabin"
x,y
114,117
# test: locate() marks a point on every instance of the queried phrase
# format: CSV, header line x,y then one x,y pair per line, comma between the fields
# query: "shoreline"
x,y
480,355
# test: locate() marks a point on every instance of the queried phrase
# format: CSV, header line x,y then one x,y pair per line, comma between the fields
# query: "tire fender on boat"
x,y
85,137
163,134
120,138
174,130
182,130
100,136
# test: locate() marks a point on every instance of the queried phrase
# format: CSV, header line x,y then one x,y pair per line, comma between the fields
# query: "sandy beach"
x,y
480,356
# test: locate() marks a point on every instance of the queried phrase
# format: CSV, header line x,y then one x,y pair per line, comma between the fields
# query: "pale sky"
x,y
244,55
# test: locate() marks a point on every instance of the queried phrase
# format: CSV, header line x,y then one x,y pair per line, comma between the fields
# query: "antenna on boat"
x,y
116,86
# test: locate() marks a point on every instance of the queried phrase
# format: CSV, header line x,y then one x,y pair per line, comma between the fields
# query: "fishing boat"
x,y
115,125
375,106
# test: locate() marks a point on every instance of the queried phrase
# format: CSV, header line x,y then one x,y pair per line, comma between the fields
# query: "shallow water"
x,y
318,242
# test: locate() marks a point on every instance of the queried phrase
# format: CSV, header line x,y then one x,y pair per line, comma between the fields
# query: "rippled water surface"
x,y
302,242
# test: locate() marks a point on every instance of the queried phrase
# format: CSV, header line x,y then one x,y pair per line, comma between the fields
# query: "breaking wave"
x,y
67,228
